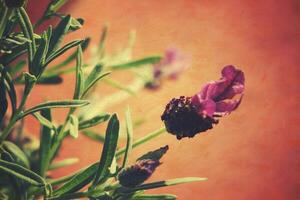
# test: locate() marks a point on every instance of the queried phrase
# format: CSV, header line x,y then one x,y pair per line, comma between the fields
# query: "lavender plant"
x,y
24,167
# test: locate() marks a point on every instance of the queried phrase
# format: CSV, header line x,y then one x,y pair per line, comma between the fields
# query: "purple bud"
x,y
138,173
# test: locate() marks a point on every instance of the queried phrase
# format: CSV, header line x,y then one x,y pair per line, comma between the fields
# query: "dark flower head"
x,y
14,3
187,116
137,173
181,118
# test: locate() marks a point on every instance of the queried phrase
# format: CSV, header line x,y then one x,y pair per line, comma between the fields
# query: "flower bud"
x,y
138,173
182,119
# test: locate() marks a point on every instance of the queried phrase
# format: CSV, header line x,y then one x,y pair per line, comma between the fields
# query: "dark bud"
x,y
14,3
182,119
138,173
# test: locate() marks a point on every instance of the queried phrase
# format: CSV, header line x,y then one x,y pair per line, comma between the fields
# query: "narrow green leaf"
x,y
102,40
10,88
30,80
79,75
159,184
3,100
93,77
142,140
16,153
94,136
46,135
137,63
73,126
129,133
93,121
55,104
118,85
28,32
22,173
109,149
155,197
78,181
70,58
54,6
76,24
63,163
58,33
62,50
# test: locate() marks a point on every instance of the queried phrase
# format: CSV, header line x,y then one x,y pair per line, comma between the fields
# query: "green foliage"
x,y
25,161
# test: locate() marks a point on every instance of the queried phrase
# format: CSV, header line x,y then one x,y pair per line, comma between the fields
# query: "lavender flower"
x,y
171,65
137,173
187,116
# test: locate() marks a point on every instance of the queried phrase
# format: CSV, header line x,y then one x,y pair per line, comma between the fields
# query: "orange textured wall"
x,y
251,154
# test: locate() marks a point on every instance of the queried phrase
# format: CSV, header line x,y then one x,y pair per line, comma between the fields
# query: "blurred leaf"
x,y
22,173
73,126
159,184
94,136
50,80
109,150
17,68
63,163
46,134
119,86
100,49
79,85
55,104
93,77
16,153
58,33
129,133
155,155
137,63
62,50
142,140
155,197
93,121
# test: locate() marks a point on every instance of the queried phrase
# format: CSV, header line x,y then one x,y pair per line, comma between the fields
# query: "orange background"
x,y
251,154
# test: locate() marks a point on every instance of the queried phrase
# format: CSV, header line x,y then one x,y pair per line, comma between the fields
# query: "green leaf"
x,y
78,181
63,163
118,85
46,135
55,104
142,140
155,197
93,121
10,88
102,41
30,80
79,85
16,153
40,54
156,154
3,100
137,63
76,24
53,7
73,126
28,32
22,173
70,58
58,33
159,184
129,134
62,50
94,136
93,77
109,149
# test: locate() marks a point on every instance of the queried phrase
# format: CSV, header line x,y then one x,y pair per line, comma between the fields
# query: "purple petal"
x,y
206,107
225,107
